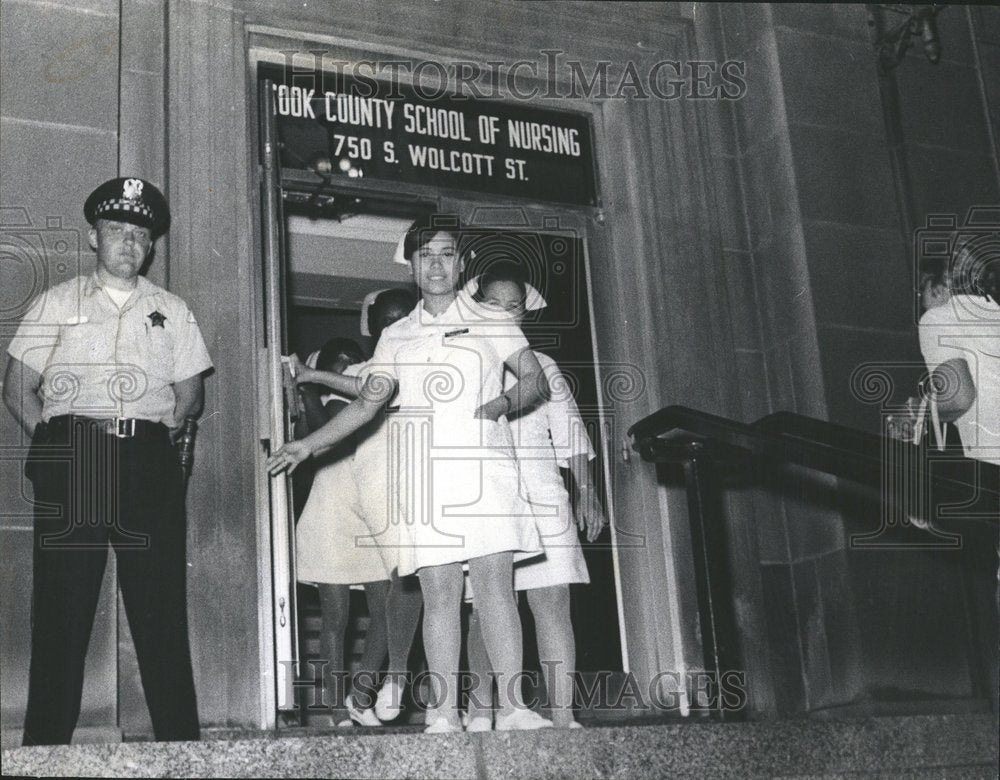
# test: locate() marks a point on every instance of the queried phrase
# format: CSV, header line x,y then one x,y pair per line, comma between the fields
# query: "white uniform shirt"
x,y
447,366
99,360
969,327
453,479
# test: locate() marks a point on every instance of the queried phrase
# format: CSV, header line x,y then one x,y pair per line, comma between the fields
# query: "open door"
x,y
279,410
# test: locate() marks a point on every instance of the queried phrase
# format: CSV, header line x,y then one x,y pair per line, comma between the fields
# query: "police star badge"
x,y
157,319
132,189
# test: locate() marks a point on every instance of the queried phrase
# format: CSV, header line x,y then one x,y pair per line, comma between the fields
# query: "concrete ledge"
x,y
949,745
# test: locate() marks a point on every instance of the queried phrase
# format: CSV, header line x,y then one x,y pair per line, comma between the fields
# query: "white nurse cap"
x,y
366,305
398,256
533,300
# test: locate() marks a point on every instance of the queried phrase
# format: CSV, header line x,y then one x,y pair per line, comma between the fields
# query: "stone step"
x,y
932,745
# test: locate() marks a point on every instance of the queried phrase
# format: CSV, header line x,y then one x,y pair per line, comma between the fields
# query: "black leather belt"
x,y
119,427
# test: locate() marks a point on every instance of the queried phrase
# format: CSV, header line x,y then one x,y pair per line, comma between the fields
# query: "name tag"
x,y
451,333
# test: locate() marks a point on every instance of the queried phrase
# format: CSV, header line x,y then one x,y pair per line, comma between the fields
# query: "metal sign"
x,y
351,127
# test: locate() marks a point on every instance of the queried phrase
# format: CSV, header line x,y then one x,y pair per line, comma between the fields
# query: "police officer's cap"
x,y
129,200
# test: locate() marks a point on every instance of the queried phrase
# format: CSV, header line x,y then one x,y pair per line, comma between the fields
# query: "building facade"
x,y
749,249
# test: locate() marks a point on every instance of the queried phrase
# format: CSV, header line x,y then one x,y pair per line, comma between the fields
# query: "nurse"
x,y
327,555
458,495
368,489
547,437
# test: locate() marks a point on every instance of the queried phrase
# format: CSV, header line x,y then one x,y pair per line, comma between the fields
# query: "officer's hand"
x,y
589,514
175,433
288,457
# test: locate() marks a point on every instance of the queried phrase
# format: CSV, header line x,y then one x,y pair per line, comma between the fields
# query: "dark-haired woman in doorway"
x,y
326,555
393,621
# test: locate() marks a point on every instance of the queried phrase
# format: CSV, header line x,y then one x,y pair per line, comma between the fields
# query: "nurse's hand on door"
x,y
293,363
288,457
301,373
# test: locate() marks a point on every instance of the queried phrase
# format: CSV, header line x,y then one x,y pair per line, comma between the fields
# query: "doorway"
x,y
338,253
335,257
325,248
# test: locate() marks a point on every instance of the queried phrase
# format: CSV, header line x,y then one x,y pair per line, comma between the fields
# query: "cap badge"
x,y
132,189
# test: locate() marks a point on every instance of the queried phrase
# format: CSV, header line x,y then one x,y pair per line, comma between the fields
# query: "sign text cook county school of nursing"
x,y
389,132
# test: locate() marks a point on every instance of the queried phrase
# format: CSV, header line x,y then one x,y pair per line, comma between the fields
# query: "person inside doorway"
x,y
315,409
548,437
391,627
327,553
462,500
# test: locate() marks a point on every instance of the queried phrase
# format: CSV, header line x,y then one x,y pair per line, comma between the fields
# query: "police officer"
x,y
103,371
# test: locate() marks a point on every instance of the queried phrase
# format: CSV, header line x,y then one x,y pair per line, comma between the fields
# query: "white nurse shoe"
x,y
522,720
389,703
479,723
359,716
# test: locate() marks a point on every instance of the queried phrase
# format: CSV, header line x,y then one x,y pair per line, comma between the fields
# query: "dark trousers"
x,y
91,490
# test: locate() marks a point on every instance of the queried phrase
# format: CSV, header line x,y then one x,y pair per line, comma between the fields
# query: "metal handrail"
x,y
818,445
707,447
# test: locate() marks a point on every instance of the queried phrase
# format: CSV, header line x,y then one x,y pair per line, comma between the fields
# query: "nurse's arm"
x,y
20,394
958,390
345,385
375,394
315,412
532,386
588,511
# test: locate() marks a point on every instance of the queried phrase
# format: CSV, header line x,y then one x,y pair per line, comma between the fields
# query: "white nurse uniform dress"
x,y
545,438
454,486
338,539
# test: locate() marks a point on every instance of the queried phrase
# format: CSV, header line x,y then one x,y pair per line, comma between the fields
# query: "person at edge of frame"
x,y
959,332
103,371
